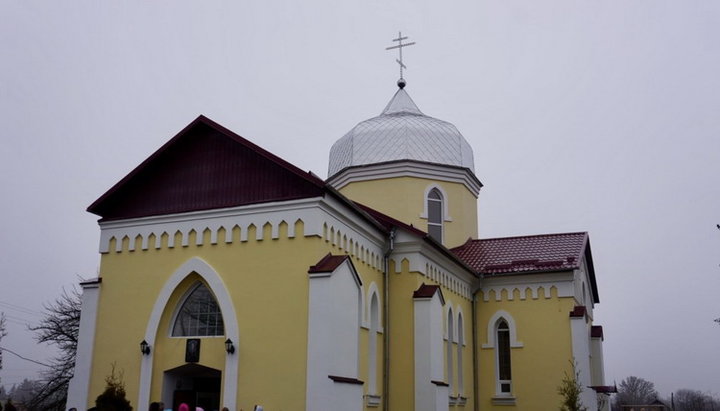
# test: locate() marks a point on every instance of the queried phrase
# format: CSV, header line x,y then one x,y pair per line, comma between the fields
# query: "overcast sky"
x,y
598,116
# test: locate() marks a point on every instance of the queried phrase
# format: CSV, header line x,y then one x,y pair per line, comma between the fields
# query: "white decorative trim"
x,y
216,285
448,313
444,200
460,320
407,169
373,289
321,217
433,265
79,387
333,339
531,286
514,343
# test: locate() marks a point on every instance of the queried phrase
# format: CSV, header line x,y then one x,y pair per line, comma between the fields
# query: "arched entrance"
x,y
193,384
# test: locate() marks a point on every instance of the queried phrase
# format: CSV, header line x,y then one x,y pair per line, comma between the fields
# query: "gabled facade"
x,y
231,278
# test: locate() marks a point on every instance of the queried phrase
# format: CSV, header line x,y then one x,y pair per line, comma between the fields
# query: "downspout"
x,y
476,394
386,320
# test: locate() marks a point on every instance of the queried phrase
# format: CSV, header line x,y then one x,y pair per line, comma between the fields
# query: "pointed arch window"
x,y
449,351
504,374
435,214
199,315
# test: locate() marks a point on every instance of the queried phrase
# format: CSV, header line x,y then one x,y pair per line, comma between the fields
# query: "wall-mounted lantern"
x,y
145,348
229,347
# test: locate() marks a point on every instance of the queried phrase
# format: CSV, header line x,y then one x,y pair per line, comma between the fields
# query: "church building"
x,y
231,278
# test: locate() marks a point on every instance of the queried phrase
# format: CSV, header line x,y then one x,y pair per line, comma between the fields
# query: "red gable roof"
x,y
205,166
528,254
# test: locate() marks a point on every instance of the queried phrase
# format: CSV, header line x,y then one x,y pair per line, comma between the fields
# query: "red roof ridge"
x,y
531,236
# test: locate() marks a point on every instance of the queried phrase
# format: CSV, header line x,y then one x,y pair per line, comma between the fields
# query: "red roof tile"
x,y
529,254
596,331
328,263
523,254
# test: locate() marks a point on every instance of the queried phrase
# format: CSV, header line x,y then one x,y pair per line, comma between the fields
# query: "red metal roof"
x,y
578,311
521,254
427,291
528,254
328,263
205,166
605,389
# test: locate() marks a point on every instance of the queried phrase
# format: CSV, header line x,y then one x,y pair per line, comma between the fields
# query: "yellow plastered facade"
x,y
275,351
543,328
266,276
403,198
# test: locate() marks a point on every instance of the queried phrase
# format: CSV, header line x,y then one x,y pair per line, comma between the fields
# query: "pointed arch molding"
x,y
216,285
514,343
446,215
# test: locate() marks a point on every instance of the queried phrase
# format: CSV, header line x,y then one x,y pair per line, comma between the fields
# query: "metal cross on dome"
x,y
400,46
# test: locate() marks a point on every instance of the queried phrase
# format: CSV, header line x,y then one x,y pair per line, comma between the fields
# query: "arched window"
x,y
199,315
435,214
372,343
449,350
504,375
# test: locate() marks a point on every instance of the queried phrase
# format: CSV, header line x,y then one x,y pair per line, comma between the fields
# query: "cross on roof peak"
x,y
399,46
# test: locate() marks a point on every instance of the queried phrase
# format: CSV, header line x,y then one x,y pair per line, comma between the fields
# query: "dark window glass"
x,y
503,347
435,214
199,315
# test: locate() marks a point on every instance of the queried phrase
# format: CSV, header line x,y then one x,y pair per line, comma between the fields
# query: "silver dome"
x,y
401,132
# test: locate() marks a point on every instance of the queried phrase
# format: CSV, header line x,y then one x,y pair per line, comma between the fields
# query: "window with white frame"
x,y
199,315
502,348
435,214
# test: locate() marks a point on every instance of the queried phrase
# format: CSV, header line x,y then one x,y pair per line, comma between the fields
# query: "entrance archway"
x,y
193,384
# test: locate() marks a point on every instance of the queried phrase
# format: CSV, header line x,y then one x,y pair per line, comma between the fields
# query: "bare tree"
x,y
635,391
694,400
60,327
2,334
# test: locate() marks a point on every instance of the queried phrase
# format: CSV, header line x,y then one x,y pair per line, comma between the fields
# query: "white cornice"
x,y
213,213
407,168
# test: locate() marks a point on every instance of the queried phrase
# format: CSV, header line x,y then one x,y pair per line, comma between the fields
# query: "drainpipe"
x,y
386,320
476,394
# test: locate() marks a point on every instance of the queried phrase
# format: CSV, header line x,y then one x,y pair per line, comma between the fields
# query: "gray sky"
x,y
597,116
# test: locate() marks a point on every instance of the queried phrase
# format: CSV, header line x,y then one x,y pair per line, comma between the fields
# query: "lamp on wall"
x,y
229,347
145,348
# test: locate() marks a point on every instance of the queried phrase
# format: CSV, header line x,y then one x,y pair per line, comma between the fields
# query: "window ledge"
x,y
346,380
453,400
372,400
503,400
462,400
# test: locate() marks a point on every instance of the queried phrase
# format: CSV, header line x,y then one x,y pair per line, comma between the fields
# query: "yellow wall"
x,y
403,199
271,307
402,360
543,327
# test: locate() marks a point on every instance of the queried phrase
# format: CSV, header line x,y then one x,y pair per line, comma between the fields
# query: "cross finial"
x,y
399,46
